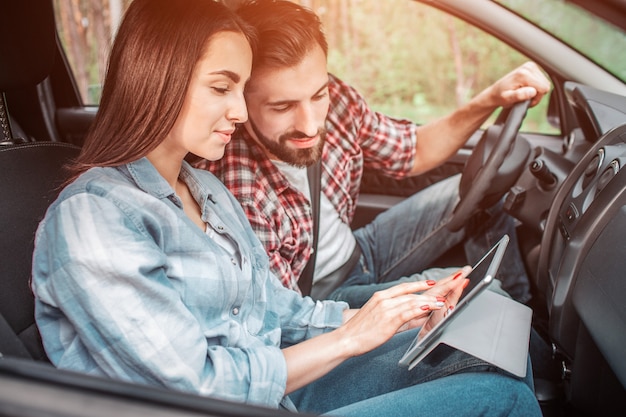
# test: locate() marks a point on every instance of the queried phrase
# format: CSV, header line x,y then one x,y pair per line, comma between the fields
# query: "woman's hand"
x,y
399,308
451,301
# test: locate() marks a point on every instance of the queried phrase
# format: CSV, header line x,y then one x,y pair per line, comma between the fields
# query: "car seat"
x,y
30,173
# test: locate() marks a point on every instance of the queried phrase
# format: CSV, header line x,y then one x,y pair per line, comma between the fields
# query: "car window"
x,y
86,29
593,37
413,61
408,60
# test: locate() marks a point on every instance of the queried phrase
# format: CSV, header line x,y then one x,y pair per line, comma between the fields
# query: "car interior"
x,y
569,198
32,155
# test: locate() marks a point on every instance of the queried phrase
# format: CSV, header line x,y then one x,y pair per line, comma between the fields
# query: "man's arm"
x,y
439,140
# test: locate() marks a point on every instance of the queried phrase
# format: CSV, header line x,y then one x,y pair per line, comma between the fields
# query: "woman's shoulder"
x,y
101,187
95,181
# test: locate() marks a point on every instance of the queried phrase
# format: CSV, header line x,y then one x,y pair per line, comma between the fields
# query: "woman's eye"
x,y
221,90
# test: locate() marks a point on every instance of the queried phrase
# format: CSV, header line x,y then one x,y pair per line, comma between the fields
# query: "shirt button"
x,y
220,228
235,311
233,261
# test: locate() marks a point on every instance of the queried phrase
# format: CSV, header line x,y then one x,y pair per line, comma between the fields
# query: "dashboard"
x,y
576,201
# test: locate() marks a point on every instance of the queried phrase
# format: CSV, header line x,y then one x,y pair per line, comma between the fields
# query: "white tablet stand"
x,y
493,328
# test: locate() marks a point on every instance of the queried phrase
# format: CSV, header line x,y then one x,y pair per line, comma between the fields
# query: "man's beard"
x,y
296,157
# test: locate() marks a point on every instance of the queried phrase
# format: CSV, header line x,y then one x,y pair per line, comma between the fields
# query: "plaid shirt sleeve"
x,y
387,143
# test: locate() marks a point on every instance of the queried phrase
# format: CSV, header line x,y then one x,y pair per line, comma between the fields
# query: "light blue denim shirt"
x,y
127,286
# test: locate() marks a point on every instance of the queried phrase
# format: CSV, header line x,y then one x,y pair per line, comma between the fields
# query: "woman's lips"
x,y
225,135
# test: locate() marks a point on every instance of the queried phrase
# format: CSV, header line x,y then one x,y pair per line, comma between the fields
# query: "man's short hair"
x,y
286,32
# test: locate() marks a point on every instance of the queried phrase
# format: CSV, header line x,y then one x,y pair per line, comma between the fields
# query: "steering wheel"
x,y
494,166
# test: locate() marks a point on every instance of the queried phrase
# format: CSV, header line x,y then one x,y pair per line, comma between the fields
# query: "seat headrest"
x,y
27,42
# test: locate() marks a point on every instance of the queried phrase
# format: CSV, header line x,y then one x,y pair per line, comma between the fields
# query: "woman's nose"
x,y
238,112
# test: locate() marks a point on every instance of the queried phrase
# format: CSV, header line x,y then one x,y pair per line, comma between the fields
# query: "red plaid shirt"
x,y
280,214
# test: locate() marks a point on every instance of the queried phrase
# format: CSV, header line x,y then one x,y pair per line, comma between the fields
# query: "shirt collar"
x,y
148,179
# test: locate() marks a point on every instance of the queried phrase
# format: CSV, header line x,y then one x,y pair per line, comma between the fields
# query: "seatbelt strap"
x,y
314,175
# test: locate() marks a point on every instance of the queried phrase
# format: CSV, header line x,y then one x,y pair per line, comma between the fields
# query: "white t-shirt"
x,y
335,240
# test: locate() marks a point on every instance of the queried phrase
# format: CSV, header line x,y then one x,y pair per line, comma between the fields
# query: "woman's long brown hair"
x,y
155,50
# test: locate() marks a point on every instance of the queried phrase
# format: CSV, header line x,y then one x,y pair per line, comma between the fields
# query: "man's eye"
x,y
281,109
320,96
220,90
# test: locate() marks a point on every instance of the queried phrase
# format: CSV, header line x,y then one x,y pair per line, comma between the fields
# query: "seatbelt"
x,y
314,175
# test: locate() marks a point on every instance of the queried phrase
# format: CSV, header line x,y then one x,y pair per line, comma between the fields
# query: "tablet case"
x,y
493,328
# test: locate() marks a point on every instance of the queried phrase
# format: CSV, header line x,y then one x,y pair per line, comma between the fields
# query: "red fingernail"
x,y
442,299
425,307
431,282
458,274
451,308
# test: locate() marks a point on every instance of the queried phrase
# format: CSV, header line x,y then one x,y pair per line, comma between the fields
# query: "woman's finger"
x,y
444,286
408,288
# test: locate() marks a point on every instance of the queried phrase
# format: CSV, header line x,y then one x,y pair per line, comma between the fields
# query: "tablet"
x,y
482,274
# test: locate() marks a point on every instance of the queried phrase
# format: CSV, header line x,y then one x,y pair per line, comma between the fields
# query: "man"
x,y
299,114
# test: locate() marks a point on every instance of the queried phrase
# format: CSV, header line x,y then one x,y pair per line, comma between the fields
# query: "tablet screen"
x,y
483,269
482,274
461,331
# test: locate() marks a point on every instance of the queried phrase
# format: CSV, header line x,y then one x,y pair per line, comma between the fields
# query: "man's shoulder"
x,y
239,159
246,172
340,88
347,105
346,115
241,150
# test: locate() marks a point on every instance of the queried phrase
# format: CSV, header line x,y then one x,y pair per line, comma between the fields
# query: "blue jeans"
x,y
404,240
461,395
446,382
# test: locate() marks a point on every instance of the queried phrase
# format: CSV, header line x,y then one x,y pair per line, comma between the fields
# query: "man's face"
x,y
287,109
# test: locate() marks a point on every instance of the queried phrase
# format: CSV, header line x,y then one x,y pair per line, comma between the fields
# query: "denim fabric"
x,y
128,287
461,395
368,383
407,238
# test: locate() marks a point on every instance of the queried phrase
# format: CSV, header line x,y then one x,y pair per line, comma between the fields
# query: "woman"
x,y
147,270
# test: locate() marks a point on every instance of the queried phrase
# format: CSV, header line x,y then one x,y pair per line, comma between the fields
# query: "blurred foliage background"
x,y
409,60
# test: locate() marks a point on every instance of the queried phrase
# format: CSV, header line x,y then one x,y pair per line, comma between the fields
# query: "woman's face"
x,y
214,101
